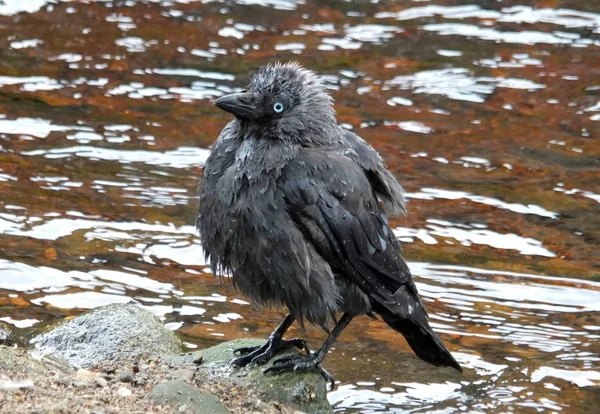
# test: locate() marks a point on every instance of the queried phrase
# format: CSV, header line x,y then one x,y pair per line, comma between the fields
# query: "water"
x,y
488,113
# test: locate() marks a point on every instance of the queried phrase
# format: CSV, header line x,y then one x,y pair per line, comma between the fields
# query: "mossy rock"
x,y
305,391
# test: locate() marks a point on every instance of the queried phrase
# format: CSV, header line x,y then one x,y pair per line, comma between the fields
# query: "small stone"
x,y
63,380
183,408
124,392
101,382
183,374
80,384
126,376
84,375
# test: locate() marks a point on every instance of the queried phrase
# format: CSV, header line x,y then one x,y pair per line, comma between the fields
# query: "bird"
x,y
295,209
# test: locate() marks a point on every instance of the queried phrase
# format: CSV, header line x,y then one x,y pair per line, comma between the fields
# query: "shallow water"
x,y
488,113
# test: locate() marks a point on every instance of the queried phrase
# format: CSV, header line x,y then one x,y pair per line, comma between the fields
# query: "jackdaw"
x,y
296,209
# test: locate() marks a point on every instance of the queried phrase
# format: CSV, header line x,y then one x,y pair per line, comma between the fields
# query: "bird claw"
x,y
260,355
293,363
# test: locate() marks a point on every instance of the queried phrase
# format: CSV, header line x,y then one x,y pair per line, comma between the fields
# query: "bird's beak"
x,y
242,105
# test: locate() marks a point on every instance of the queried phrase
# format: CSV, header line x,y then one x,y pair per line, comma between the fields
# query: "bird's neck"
x,y
257,157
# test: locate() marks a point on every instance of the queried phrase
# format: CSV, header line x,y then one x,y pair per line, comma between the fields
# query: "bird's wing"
x,y
385,186
330,198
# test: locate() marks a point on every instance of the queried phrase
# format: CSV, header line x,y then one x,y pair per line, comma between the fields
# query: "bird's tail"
x,y
411,321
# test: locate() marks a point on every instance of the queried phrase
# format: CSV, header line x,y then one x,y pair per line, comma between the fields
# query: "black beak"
x,y
242,105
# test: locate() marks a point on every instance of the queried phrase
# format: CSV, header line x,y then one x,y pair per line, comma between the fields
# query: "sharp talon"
x,y
260,355
295,363
245,350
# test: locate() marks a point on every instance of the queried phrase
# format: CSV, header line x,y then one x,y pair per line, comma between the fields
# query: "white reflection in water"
x,y
183,157
517,14
457,83
20,323
428,193
526,37
187,310
61,227
35,127
21,277
187,72
525,291
24,44
349,396
579,378
227,317
10,7
81,300
474,233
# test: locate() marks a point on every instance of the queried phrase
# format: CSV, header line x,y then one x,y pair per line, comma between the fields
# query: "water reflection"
x,y
487,113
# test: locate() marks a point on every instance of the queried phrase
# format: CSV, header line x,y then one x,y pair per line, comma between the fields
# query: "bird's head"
x,y
282,100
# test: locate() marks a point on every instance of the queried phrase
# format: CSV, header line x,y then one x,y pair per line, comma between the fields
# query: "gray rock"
x,y
181,393
107,336
7,336
302,391
126,375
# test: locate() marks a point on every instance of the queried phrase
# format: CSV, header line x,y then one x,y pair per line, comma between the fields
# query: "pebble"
x,y
183,374
101,382
124,392
63,380
183,408
84,375
126,376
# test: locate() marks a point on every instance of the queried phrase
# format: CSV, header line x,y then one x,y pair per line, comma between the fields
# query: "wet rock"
x,y
7,336
107,336
301,391
181,393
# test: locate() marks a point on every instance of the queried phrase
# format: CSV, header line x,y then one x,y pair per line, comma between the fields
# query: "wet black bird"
x,y
295,208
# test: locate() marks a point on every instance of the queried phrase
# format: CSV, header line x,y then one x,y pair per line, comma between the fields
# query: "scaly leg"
x,y
260,355
314,360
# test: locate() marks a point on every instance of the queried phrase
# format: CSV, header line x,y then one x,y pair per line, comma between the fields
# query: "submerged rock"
x,y
302,391
107,336
193,399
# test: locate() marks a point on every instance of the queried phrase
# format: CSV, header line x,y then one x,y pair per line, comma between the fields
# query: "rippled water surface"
x,y
488,112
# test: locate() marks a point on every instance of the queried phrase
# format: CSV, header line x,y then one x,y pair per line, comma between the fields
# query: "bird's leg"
x,y
261,354
314,360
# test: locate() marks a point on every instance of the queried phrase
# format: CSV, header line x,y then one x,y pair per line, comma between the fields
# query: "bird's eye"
x,y
278,107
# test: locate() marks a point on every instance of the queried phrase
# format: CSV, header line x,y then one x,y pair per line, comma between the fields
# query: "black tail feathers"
x,y
420,336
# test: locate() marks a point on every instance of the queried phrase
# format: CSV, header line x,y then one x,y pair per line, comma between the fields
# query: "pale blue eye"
x,y
278,107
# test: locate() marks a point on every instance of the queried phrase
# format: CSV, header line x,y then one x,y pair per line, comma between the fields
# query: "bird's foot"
x,y
293,363
260,355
